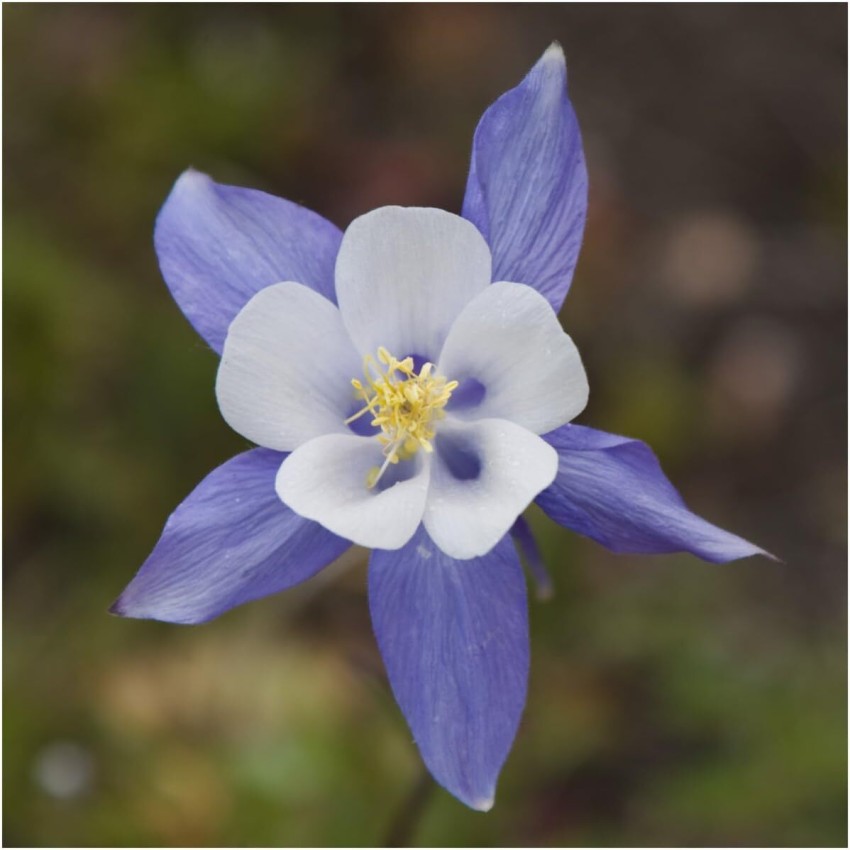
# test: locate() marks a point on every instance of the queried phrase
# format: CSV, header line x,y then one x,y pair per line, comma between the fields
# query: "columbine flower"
x,y
458,377
410,388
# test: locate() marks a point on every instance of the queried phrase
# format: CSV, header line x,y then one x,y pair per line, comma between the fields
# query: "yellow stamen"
x,y
404,405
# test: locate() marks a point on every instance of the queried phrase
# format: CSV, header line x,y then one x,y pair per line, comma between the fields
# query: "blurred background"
x,y
671,702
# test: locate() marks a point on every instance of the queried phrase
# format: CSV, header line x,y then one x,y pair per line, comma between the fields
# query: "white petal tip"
x,y
484,804
553,65
554,53
193,176
748,551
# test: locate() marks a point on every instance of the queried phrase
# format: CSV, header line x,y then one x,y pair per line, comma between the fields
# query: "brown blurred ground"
x,y
671,702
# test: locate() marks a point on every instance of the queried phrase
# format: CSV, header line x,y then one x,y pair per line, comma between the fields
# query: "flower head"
x,y
410,442
411,390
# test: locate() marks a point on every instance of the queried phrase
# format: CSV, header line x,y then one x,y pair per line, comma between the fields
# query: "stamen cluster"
x,y
404,404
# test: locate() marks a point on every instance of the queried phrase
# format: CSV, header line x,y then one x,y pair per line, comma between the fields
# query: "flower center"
x,y
404,404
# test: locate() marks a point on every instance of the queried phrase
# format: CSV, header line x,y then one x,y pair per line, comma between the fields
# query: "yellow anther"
x,y
404,405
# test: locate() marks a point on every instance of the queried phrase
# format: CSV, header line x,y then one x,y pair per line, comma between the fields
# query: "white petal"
x,y
468,513
325,480
286,368
510,341
404,274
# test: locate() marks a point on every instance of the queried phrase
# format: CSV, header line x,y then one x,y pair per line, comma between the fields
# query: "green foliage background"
x,y
671,702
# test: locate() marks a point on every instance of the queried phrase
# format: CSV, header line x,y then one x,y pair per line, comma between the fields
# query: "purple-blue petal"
x,y
613,490
527,185
231,541
219,245
454,638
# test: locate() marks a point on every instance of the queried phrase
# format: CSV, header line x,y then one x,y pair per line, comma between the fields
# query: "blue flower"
x,y
411,390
